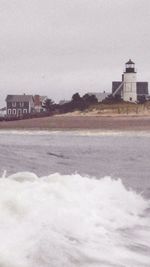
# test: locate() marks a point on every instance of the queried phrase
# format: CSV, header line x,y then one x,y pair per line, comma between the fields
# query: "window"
x,y
14,112
9,111
21,104
19,112
24,111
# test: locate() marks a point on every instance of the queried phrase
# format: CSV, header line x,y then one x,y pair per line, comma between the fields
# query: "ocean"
x,y
77,198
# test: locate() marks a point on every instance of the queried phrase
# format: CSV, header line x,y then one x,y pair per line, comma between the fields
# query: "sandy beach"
x,y
76,122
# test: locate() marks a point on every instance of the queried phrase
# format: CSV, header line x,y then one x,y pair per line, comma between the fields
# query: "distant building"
x,y
39,102
99,96
62,102
3,112
17,105
129,89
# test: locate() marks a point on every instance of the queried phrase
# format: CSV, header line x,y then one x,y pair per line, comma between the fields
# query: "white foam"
x,y
76,132
71,221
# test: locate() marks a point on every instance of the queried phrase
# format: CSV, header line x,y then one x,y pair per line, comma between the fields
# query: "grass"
x,y
121,108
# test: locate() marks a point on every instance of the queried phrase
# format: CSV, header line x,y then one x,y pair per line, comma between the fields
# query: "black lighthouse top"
x,y
130,67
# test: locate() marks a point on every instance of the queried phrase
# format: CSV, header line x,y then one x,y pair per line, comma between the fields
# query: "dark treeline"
x,y
77,103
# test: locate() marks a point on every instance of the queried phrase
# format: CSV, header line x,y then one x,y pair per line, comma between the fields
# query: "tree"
x,y
76,97
110,99
77,102
49,105
81,103
90,99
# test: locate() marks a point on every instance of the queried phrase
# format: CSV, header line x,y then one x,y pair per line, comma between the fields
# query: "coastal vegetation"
x,y
87,105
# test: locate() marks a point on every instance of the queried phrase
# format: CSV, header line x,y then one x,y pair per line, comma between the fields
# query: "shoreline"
x,y
80,122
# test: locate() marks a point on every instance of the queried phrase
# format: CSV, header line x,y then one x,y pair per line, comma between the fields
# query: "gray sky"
x,y
59,47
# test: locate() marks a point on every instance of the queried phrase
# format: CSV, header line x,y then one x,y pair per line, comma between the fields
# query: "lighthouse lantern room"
x,y
130,66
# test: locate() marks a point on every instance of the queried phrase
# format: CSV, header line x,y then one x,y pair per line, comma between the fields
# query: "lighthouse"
x,y
129,89
129,92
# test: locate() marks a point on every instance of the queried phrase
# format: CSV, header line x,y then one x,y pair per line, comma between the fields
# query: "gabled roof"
x,y
99,95
62,102
19,98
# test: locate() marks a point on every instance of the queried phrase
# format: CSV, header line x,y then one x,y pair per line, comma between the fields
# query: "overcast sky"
x,y
59,47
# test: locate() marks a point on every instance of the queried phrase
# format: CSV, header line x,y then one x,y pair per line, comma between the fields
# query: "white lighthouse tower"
x,y
129,92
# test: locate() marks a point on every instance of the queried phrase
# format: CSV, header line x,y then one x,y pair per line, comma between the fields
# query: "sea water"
x,y
74,199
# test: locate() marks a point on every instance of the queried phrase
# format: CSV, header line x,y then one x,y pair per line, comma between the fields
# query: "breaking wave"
x,y
76,133
70,221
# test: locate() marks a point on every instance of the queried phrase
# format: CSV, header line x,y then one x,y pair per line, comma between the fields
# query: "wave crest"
x,y
70,220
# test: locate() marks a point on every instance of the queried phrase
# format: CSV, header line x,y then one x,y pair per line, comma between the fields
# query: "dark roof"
x,y
99,95
115,85
62,102
130,62
142,87
19,98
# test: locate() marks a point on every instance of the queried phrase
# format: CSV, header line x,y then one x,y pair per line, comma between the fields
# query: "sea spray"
x,y
69,220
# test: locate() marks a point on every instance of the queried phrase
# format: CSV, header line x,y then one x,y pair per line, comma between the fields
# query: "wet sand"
x,y
63,122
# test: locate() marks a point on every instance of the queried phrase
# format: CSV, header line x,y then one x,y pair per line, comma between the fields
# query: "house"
x,y
129,89
39,102
18,105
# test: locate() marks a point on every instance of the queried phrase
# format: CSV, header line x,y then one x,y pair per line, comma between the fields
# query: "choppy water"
x,y
83,215
119,155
